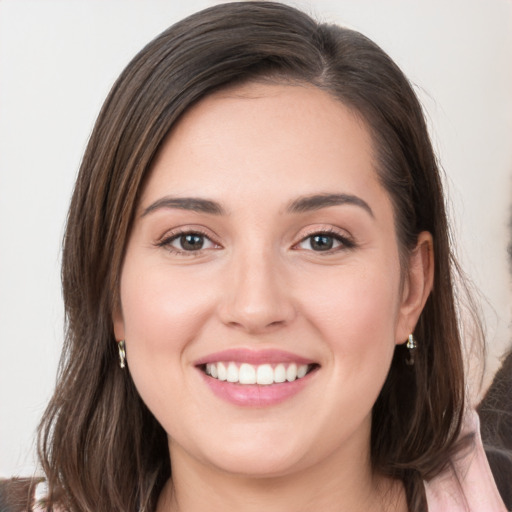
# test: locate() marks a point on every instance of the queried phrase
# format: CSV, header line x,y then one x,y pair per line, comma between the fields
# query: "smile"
x,y
256,378
262,374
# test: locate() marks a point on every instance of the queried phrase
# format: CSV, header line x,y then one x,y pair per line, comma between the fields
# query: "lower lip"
x,y
254,395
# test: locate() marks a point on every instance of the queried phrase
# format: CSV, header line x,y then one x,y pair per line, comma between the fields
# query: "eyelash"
x,y
345,243
167,241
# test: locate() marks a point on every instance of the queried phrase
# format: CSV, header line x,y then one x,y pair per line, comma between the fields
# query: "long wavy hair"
x,y
100,447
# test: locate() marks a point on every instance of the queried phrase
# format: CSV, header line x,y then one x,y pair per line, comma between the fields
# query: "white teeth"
x,y
302,370
222,373
247,374
279,373
232,375
263,374
291,372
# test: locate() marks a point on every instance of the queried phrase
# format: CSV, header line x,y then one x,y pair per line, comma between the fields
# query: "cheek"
x,y
353,315
159,306
356,311
162,313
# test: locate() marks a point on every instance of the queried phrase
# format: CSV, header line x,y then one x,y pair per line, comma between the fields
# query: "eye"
x,y
325,242
190,242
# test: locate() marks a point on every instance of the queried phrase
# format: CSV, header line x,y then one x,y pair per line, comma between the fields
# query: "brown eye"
x,y
191,242
188,242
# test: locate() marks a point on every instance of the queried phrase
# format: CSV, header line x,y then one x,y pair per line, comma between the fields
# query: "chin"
x,y
258,466
265,458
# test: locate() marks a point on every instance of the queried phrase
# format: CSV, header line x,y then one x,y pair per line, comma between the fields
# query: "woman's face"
x,y
264,249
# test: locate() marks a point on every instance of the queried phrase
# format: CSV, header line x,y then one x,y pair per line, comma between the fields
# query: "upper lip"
x,y
243,355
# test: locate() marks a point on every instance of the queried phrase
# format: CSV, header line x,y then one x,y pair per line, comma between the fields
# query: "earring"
x,y
122,353
411,345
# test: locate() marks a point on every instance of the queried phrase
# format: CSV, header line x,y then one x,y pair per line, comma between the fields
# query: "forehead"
x,y
256,137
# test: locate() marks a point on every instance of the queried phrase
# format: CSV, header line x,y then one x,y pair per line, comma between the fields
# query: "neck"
x,y
330,486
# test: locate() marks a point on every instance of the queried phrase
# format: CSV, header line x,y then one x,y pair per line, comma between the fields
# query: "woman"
x,y
258,223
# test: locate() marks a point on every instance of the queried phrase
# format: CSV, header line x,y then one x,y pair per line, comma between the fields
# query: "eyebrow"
x,y
300,205
319,201
186,203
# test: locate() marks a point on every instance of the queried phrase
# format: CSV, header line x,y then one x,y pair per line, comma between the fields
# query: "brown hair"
x,y
98,441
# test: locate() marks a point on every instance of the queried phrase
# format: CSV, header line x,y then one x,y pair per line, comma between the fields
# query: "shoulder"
x,y
467,485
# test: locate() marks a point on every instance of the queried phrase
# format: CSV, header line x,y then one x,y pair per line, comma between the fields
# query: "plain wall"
x,y
58,60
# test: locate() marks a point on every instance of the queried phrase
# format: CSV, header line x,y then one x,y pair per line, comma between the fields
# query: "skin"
x,y
259,283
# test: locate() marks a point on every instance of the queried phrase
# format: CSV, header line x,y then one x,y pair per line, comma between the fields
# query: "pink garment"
x,y
470,486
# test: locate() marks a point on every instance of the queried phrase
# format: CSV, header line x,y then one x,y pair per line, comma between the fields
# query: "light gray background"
x,y
58,60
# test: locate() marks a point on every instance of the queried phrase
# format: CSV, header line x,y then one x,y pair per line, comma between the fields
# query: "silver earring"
x,y
411,345
122,353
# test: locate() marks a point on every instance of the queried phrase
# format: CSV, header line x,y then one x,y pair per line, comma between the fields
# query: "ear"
x,y
118,322
417,286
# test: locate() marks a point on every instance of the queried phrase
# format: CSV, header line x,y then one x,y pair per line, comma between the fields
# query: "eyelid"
x,y
170,235
346,240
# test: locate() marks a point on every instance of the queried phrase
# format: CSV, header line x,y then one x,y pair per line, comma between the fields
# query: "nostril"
x,y
254,323
276,323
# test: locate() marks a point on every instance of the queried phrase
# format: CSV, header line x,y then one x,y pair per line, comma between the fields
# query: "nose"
x,y
257,295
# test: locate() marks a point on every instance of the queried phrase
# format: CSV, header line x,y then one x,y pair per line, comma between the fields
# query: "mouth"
x,y
252,378
265,374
